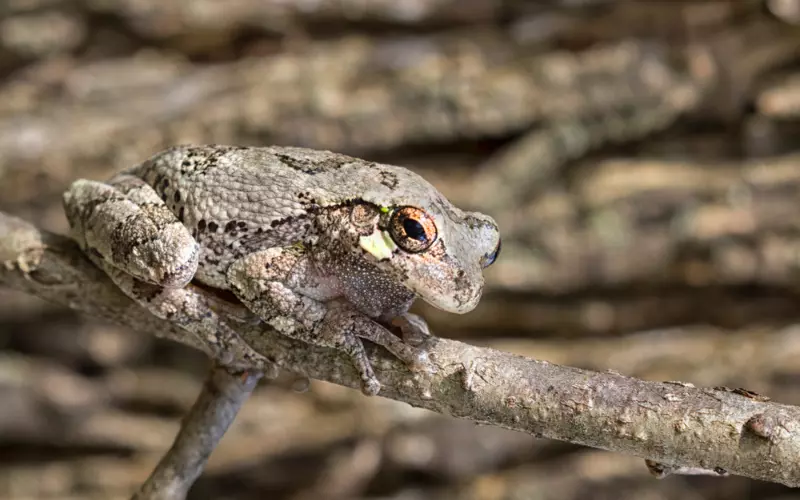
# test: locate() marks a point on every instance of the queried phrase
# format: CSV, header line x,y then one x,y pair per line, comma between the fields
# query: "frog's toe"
x,y
414,329
271,371
419,361
370,386
301,384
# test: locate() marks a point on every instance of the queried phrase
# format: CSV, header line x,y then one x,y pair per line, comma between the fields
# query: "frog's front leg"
x,y
280,285
127,230
413,327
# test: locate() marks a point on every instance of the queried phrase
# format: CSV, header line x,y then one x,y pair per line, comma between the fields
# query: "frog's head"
x,y
420,239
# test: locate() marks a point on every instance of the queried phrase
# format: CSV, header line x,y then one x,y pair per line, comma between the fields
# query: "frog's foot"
x,y
350,325
337,332
414,329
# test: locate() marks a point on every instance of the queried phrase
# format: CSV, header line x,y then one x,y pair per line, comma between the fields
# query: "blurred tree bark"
x,y
641,157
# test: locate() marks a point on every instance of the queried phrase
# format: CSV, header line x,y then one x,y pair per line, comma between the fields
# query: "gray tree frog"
x,y
323,247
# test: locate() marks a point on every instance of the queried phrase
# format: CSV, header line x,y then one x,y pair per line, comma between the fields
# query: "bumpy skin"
x,y
299,236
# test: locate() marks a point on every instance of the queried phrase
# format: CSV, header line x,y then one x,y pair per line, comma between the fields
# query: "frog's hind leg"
x,y
127,230
194,310
129,226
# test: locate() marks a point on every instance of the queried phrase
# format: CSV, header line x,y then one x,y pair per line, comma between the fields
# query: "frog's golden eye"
x,y
412,229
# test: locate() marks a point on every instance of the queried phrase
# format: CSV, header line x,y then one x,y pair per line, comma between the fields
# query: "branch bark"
x,y
671,423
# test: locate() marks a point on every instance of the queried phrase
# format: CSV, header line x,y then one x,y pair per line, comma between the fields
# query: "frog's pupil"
x,y
414,230
493,256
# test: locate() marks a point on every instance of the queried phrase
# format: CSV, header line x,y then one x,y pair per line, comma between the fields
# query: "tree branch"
x,y
674,424
217,405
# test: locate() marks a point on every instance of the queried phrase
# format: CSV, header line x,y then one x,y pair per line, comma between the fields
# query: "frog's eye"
x,y
412,229
489,258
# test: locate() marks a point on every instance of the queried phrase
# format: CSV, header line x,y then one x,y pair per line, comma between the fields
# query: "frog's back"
x,y
263,187
235,200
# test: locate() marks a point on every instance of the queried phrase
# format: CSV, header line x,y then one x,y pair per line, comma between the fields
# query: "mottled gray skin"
x,y
283,230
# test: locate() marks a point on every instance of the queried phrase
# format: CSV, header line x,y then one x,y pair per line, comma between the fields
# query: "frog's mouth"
x,y
460,302
455,292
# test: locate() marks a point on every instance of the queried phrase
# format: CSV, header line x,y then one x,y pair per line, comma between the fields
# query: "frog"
x,y
320,246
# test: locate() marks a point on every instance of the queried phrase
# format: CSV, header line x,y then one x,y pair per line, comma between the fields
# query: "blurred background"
x,y
641,158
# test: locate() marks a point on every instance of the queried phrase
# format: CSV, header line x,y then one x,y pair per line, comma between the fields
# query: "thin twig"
x,y
222,396
670,423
